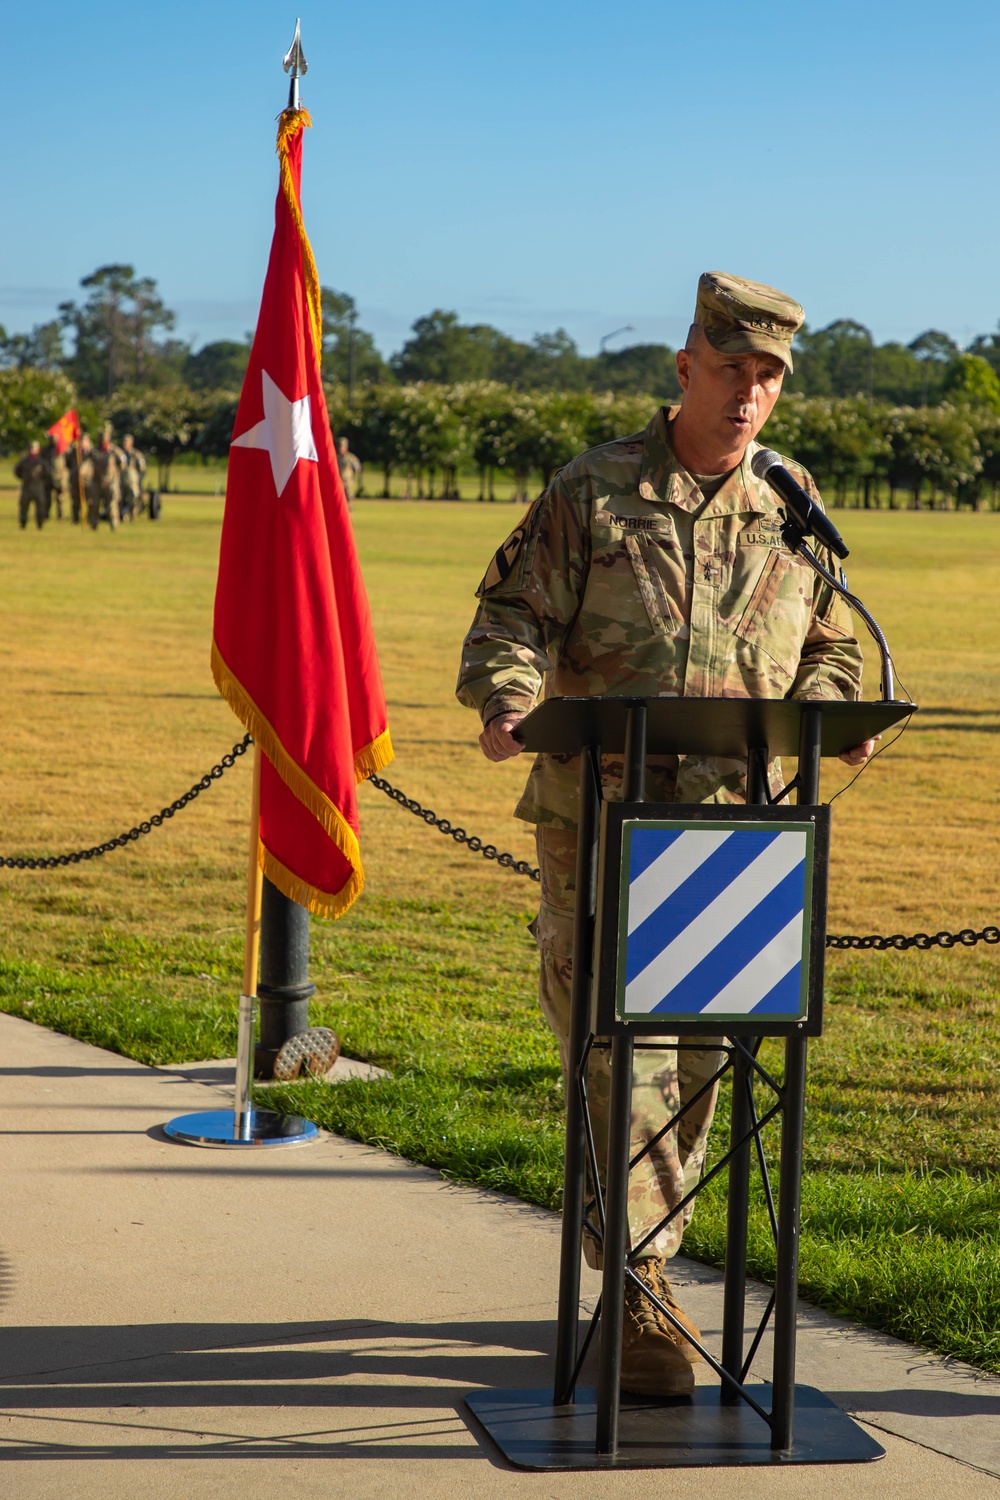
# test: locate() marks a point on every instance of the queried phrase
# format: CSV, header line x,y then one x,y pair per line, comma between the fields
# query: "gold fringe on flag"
x,y
326,813
371,759
320,903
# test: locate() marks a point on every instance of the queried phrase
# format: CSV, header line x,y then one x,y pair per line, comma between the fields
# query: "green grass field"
x,y
110,712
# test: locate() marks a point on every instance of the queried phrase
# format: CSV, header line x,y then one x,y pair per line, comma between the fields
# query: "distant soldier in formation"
x,y
80,463
133,466
33,472
104,490
350,469
58,478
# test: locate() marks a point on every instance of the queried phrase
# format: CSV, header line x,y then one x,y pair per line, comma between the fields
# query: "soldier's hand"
x,y
497,742
860,753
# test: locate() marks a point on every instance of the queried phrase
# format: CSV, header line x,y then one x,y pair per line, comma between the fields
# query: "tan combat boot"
x,y
665,1292
653,1360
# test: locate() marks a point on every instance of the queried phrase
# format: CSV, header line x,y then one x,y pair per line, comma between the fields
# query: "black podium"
x,y
640,970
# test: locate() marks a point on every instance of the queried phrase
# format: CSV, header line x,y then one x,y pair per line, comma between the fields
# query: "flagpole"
x,y
79,484
244,1125
251,958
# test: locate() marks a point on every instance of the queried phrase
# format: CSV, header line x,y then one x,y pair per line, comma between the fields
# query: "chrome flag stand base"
x,y
258,1127
243,1125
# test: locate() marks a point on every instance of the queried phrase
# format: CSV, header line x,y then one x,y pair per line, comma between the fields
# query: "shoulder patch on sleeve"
x,y
506,557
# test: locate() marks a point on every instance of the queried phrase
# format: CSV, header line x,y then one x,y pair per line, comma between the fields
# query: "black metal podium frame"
x,y
734,1423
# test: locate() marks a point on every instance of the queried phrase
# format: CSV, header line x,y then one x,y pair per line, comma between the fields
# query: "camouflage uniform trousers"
x,y
58,496
102,496
662,1082
58,485
131,494
33,493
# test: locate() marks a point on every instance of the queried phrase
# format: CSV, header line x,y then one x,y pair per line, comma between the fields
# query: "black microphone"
x,y
766,464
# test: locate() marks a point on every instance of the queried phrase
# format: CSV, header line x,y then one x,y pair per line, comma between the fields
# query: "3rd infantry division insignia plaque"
x,y
715,921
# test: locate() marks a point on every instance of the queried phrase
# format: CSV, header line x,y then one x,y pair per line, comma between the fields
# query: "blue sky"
x,y
531,165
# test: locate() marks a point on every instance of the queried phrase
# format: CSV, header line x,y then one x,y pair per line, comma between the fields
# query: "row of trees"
x,y
121,333
856,448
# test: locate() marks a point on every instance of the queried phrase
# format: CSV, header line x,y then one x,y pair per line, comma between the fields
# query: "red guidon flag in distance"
x,y
66,430
293,651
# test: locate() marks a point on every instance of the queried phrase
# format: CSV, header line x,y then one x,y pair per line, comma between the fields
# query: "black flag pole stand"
x,y
243,1125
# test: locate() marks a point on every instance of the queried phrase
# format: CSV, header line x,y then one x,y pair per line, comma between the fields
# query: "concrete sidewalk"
x,y
189,1323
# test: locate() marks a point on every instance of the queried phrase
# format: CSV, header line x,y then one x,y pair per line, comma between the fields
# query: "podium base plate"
x,y
653,1433
219,1127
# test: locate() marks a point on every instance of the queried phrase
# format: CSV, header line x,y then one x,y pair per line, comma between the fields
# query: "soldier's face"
x,y
728,397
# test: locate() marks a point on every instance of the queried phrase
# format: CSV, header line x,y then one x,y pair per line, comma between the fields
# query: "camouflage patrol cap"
x,y
742,317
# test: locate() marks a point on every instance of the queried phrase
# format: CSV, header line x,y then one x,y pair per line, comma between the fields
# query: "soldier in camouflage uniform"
x,y
33,472
349,465
104,490
80,465
654,566
58,490
133,466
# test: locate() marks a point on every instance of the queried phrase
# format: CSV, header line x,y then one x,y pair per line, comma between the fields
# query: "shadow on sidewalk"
x,y
59,1070
371,1389
933,1403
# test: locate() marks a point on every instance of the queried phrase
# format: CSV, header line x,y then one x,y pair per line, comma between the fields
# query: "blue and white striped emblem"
x,y
714,920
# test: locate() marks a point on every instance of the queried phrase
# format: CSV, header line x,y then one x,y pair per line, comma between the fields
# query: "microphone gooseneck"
x,y
807,516
804,518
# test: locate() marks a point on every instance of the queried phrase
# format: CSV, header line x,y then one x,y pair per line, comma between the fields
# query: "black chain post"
x,y
283,988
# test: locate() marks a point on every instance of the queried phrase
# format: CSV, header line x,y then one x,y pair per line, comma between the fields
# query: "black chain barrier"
x,y
899,942
476,845
967,938
54,861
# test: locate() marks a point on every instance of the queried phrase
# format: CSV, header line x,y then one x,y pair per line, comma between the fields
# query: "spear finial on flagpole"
x,y
295,63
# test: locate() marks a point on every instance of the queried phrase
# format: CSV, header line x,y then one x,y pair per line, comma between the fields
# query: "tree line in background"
x,y
921,419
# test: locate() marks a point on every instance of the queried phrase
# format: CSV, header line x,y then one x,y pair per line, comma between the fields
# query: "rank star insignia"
x,y
285,433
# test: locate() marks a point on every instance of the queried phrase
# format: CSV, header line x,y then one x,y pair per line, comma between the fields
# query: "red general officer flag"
x,y
66,430
293,651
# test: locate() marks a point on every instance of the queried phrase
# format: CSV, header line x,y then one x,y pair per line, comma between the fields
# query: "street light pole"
x,y
352,318
627,328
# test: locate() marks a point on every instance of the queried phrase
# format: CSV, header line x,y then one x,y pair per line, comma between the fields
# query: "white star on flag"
x,y
285,433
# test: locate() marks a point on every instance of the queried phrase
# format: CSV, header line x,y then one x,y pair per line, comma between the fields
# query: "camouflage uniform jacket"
x,y
107,467
58,470
131,466
621,579
33,472
80,465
